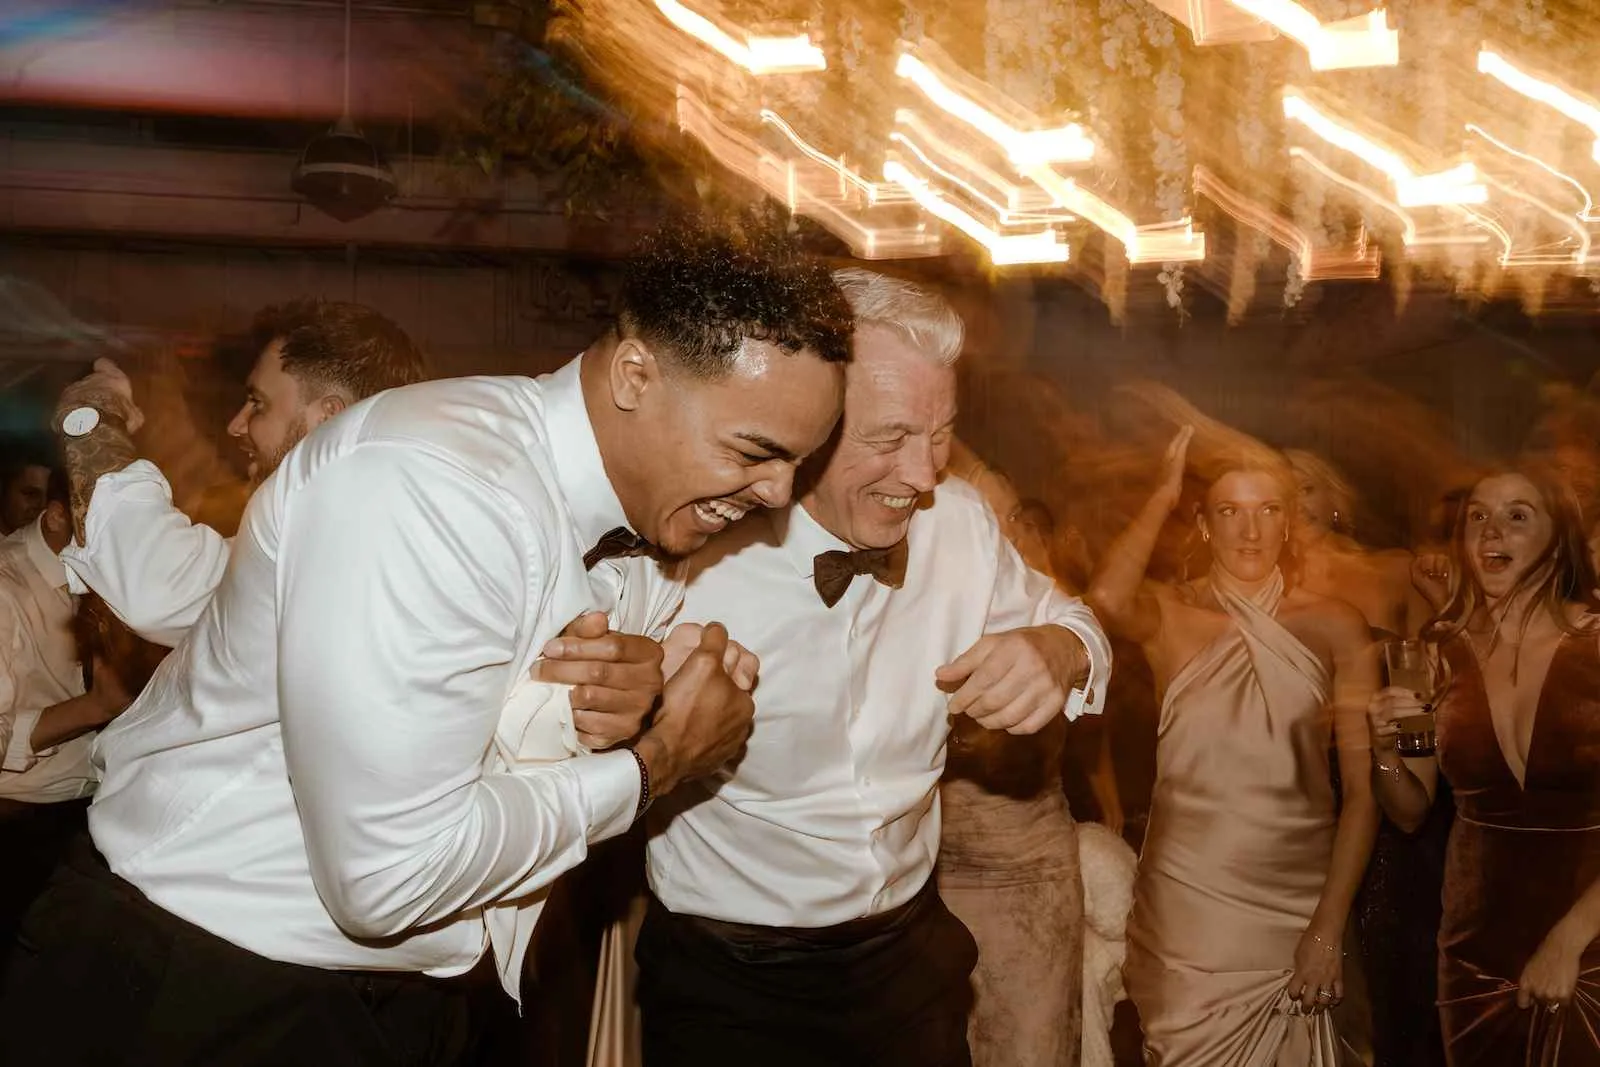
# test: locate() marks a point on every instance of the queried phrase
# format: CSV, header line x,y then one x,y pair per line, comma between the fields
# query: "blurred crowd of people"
x,y
709,701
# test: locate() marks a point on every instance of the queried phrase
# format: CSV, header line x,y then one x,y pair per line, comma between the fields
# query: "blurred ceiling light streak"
x,y
1411,236
1545,92
1458,185
872,192
1063,144
784,180
1363,262
759,55
1022,199
1408,225
1006,216
1004,249
1479,219
1363,41
1586,215
1578,257
1165,242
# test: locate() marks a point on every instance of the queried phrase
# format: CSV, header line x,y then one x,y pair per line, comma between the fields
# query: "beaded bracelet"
x,y
644,785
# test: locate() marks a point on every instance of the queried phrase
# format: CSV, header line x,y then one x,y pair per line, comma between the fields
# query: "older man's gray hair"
x,y
923,318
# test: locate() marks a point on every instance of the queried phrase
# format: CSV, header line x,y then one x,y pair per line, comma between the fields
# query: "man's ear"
x,y
57,525
632,372
331,405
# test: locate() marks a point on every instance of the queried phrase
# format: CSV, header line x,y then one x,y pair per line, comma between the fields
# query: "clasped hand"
x,y
617,678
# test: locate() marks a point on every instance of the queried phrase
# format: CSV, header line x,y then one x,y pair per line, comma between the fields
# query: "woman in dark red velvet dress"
x,y
1517,654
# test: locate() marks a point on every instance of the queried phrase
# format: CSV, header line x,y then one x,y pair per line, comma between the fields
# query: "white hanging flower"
x,y
1294,286
1171,277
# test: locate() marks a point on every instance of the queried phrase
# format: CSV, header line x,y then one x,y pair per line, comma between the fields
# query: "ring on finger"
x,y
1553,1007
1323,994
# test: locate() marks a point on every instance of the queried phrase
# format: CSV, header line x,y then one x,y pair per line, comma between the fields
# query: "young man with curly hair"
x,y
306,821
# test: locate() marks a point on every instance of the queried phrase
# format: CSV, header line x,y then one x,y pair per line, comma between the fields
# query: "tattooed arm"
x,y
106,448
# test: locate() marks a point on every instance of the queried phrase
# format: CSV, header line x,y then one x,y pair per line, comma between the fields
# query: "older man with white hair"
x,y
794,918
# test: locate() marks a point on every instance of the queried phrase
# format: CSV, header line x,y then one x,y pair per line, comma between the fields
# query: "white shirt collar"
x,y
804,539
580,472
46,562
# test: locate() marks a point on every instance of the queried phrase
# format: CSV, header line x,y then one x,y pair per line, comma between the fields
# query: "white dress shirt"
x,y
38,668
154,568
832,814
391,586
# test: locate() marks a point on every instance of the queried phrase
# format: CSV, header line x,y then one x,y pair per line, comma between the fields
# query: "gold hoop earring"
x,y
1205,535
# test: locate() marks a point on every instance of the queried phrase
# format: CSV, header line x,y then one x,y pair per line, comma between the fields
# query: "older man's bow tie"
x,y
619,542
835,570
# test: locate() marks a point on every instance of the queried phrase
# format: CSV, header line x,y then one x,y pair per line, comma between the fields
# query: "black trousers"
x,y
33,838
890,990
99,975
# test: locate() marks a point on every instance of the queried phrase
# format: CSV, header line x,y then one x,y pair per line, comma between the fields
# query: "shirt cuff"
x,y
19,755
1089,698
610,784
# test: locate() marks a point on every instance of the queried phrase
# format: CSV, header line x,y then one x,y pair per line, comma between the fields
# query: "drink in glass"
x,y
1409,668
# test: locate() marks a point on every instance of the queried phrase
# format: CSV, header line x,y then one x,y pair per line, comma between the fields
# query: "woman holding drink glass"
x,y
1515,693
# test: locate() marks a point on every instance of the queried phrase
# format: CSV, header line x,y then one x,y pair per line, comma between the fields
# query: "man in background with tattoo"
x,y
152,566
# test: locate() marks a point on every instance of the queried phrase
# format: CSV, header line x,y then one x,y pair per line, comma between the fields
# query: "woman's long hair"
x,y
1564,573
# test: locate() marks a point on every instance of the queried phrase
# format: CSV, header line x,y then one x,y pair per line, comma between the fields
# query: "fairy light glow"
x,y
1361,261
1004,249
1545,92
1586,214
803,185
1458,185
1363,41
758,55
1063,144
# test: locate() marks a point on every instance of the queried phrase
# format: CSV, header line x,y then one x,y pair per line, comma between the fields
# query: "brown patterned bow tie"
x,y
835,570
619,542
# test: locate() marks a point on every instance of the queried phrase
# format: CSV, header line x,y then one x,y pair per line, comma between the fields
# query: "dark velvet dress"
x,y
1519,858
1397,927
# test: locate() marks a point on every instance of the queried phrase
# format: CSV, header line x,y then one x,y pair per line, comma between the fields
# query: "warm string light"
x,y
1044,246
1545,92
804,193
1363,41
1363,261
1062,144
758,55
1458,185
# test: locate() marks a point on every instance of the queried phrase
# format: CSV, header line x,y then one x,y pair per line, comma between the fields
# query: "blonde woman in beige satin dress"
x,y
1235,947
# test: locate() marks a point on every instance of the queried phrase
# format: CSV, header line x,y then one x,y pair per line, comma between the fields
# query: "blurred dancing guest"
x,y
1517,661
795,919
1397,910
47,715
1333,563
24,481
155,568
1248,871
1008,858
301,823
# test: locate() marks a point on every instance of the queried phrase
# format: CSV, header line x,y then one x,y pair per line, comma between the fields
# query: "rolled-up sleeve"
x,y
155,569
1024,597
403,582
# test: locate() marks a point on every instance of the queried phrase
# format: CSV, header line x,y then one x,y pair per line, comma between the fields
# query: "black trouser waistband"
x,y
802,938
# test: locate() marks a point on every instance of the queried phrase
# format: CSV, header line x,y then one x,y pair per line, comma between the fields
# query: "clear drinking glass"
x,y
1409,668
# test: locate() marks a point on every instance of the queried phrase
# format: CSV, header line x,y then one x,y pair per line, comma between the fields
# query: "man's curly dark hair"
x,y
698,288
